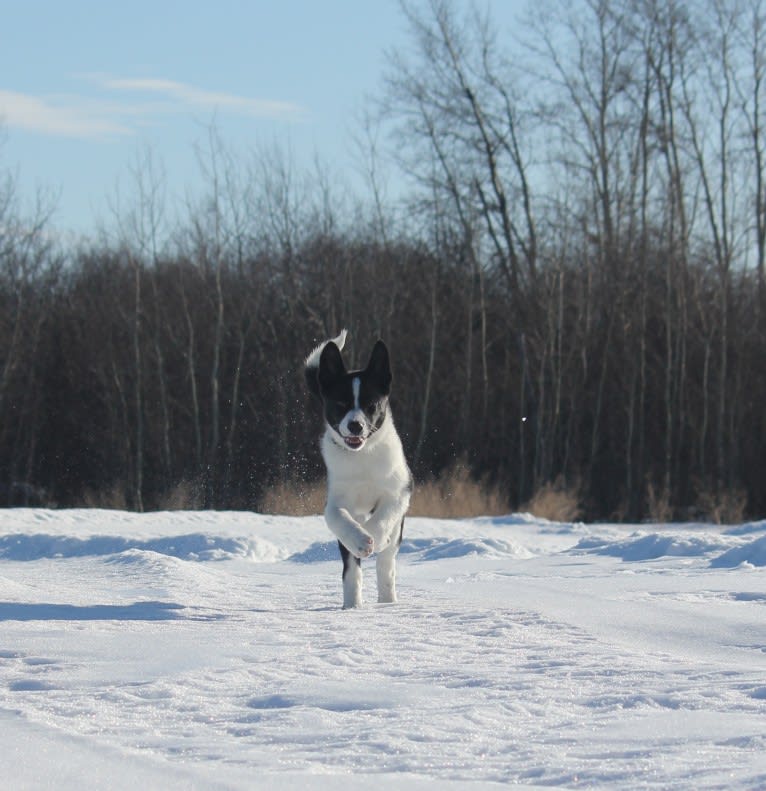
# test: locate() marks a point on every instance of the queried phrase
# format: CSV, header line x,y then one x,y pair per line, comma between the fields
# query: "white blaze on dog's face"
x,y
355,402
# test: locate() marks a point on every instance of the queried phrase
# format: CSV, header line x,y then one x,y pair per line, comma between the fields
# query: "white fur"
x,y
356,415
368,493
312,361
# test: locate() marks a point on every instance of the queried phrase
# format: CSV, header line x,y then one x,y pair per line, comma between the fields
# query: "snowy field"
x,y
209,651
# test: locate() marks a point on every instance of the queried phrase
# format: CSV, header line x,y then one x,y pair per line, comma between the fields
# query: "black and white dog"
x,y
368,481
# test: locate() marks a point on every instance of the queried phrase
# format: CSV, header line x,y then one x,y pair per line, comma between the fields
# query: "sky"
x,y
86,88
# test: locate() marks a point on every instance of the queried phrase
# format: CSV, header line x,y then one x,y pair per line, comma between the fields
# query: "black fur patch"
x,y
348,558
335,386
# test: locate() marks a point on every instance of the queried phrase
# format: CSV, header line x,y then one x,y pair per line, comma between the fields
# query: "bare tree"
x,y
750,86
456,99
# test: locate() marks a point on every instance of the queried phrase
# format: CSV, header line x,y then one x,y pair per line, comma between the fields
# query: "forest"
x,y
571,285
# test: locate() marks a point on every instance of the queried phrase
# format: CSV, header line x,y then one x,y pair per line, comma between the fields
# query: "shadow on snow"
x,y
138,611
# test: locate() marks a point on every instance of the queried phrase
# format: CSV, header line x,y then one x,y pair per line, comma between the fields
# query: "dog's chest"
x,y
360,480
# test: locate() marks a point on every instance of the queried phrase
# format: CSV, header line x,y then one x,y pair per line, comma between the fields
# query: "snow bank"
x,y
462,547
652,546
751,554
209,651
193,546
727,546
425,549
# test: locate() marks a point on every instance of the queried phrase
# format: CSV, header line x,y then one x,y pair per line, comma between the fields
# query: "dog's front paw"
x,y
365,547
382,536
361,545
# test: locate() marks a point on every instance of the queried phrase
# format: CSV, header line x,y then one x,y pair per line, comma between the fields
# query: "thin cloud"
x,y
189,95
108,115
55,117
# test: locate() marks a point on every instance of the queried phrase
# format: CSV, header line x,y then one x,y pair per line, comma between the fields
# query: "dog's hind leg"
x,y
386,569
352,579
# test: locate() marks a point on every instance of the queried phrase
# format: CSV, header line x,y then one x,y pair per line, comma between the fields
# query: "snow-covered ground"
x,y
209,651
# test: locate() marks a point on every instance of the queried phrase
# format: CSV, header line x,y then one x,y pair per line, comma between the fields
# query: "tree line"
x,y
572,288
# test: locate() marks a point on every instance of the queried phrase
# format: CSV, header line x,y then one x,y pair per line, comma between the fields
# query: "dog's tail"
x,y
311,366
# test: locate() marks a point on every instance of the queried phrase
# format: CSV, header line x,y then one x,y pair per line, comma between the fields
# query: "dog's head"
x,y
355,402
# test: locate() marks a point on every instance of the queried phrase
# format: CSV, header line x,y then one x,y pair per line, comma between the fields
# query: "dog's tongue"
x,y
353,442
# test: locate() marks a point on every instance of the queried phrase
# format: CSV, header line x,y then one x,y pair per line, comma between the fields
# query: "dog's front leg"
x,y
349,532
385,567
386,525
352,579
385,521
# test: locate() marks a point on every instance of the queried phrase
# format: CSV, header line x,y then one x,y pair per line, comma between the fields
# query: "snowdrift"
x,y
208,650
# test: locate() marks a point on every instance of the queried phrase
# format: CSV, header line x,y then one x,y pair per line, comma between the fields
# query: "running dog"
x,y
368,481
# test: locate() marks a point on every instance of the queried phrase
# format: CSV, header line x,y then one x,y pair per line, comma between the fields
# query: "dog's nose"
x,y
355,427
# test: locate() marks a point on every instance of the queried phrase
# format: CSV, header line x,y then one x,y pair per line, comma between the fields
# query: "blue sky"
x,y
86,86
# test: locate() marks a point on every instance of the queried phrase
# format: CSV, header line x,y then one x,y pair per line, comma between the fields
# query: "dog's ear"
x,y
379,368
331,365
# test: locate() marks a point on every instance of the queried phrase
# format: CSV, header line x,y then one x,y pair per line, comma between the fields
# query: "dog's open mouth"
x,y
354,442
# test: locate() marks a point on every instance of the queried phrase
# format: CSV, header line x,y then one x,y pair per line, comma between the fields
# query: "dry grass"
x,y
555,501
720,506
455,494
725,507
294,498
184,496
658,505
113,498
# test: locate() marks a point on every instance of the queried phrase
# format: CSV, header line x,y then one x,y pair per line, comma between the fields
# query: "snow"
x,y
209,651
753,554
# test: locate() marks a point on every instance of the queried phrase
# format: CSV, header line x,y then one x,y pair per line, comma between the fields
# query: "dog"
x,y
368,481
